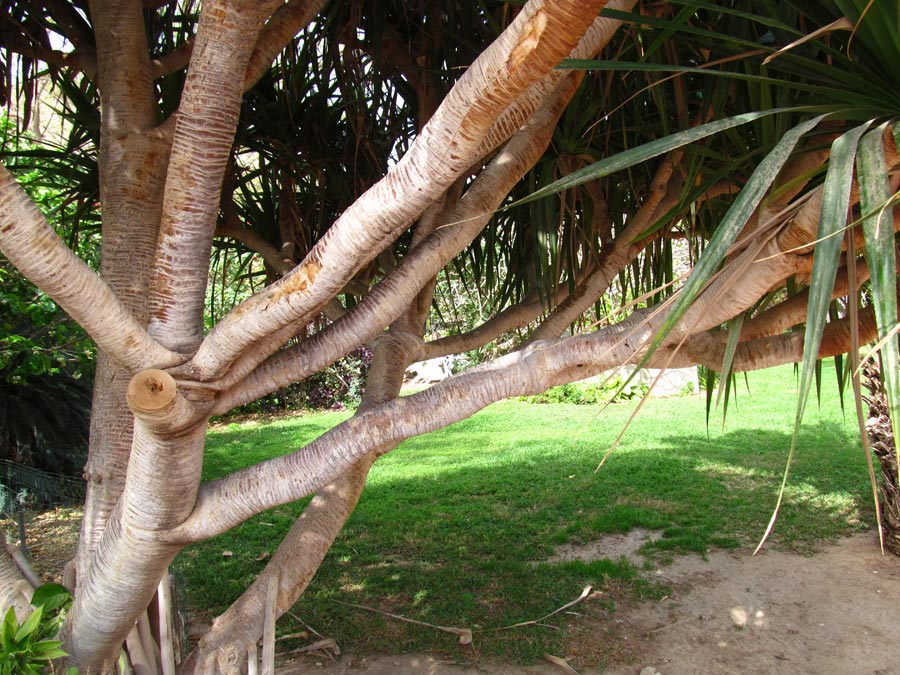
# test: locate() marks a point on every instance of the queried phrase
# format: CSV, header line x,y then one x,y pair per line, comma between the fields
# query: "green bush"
x,y
29,648
46,371
594,393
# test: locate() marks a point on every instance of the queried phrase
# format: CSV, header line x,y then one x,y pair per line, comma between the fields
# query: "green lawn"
x,y
453,527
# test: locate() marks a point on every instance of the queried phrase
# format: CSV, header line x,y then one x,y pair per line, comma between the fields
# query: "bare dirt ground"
x,y
835,612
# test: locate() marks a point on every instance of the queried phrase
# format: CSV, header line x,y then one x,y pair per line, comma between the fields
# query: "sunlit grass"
x,y
453,527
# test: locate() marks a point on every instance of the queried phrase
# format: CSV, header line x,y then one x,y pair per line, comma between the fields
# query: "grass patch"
x,y
453,527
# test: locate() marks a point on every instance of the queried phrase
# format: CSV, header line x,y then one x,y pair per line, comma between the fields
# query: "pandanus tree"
x,y
548,154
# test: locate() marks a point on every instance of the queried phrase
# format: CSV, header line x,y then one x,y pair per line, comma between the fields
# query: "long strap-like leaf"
x,y
832,221
878,226
642,153
732,223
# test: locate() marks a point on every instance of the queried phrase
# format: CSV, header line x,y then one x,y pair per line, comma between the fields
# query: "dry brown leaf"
x,y
562,663
465,636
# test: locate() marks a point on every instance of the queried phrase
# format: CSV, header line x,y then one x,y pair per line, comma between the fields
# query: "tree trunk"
x,y
881,440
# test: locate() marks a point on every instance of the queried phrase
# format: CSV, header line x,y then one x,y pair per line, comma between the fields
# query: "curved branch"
x,y
394,294
595,38
709,350
792,311
204,132
284,24
172,61
227,502
800,234
31,244
510,319
542,34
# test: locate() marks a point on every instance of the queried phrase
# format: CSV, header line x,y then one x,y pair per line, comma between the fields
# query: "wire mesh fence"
x,y
32,488
42,510
26,493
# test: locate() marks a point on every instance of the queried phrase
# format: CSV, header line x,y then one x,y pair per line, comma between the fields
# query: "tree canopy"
x,y
280,183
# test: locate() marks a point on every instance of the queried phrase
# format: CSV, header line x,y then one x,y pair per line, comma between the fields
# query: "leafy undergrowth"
x,y
453,527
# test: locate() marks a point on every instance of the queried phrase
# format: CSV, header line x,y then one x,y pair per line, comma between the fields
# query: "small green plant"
x,y
580,393
29,648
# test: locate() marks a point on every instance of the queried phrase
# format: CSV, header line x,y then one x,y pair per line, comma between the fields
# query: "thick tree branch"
x,y
510,319
394,294
709,349
300,553
172,61
595,38
541,35
32,245
132,163
792,311
288,20
204,132
800,234
224,503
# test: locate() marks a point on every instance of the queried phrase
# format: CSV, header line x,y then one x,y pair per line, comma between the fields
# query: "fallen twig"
x,y
587,590
562,663
327,646
464,634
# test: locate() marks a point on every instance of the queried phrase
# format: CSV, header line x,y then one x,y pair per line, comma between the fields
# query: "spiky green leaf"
x,y
731,225
629,158
875,197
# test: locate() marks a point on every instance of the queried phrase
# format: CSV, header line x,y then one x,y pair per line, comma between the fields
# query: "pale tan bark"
x,y
595,38
160,503
303,549
204,131
540,36
132,167
172,61
280,29
800,233
541,365
388,300
160,486
506,321
792,311
32,245
766,352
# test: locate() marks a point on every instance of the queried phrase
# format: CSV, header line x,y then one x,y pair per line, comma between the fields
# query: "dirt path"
x,y
836,612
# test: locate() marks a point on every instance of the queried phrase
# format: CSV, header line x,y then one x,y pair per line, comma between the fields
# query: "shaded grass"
x,y
453,526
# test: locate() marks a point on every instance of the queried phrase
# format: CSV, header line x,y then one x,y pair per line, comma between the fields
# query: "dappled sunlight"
x,y
735,476
744,617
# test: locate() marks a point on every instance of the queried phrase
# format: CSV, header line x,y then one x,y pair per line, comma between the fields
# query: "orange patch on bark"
x,y
297,282
304,277
531,36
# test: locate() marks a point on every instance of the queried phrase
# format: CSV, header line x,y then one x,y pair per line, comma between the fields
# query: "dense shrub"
x,y
590,393
46,371
334,388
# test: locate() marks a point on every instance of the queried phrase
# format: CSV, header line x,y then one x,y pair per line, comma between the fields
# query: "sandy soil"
x,y
836,612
